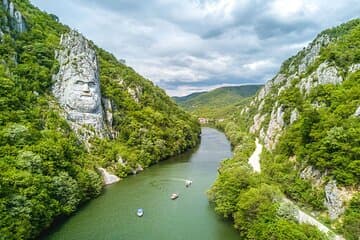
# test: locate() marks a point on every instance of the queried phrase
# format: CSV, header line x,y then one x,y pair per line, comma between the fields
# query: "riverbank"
x,y
113,214
301,216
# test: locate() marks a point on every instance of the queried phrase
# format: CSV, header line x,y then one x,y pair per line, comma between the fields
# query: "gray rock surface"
x,y
333,200
357,112
328,74
19,22
108,111
276,124
135,93
5,4
258,120
77,86
324,74
312,52
11,9
354,68
312,174
108,177
294,116
138,168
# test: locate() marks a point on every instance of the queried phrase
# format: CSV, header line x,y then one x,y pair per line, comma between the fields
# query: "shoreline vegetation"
x,y
46,171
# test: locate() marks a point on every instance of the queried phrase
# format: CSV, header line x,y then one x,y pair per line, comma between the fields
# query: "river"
x,y
113,214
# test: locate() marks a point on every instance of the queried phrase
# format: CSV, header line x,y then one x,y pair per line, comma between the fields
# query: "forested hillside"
x,y
46,169
217,103
307,119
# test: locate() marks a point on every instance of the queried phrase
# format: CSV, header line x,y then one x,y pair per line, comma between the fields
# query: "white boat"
x,y
140,212
188,183
174,196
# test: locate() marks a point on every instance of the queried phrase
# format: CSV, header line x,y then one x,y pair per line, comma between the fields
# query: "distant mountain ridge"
x,y
206,103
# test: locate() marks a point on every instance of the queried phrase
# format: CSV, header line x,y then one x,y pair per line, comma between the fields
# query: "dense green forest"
x,y
218,103
46,171
324,135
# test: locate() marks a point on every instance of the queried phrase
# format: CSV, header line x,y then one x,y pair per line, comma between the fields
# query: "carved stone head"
x,y
77,83
81,87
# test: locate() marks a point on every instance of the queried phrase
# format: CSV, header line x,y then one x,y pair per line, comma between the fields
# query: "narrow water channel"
x,y
190,217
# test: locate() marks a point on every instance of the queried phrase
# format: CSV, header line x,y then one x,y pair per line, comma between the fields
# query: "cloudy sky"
x,y
194,45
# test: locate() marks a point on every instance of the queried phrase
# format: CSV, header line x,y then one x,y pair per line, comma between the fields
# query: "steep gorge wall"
x,y
272,115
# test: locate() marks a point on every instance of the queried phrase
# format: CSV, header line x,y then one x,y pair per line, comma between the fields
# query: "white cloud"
x,y
258,65
193,45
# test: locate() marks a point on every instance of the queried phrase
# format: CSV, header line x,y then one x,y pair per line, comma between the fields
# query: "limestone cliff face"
x,y
271,114
312,52
77,86
16,20
275,127
325,73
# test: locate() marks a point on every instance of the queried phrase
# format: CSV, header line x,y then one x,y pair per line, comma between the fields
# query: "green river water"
x,y
113,214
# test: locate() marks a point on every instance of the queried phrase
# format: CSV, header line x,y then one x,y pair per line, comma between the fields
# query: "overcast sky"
x,y
194,45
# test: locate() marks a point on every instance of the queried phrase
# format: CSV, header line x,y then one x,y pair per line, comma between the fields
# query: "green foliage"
x,y
226,189
218,103
45,171
351,223
152,126
325,136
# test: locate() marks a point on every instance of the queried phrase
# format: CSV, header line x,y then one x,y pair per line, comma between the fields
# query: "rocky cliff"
x,y
14,19
77,86
303,108
70,112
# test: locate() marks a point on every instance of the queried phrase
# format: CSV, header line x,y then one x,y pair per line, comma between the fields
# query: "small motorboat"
x,y
140,212
188,183
174,196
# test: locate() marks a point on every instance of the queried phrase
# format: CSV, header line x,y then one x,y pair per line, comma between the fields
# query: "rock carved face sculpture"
x,y
77,86
82,90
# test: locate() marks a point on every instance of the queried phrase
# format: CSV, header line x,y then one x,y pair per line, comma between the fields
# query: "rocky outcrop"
x,y
312,174
354,67
333,200
324,74
276,124
77,86
17,20
258,120
135,93
291,211
357,112
19,24
11,9
138,168
280,78
328,74
294,116
108,111
108,177
312,52
5,4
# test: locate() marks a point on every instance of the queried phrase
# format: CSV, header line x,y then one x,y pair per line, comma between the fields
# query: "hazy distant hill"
x,y
188,97
213,103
